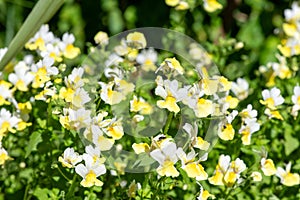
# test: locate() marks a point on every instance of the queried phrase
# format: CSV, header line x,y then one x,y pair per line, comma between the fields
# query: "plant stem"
x,y
168,123
72,188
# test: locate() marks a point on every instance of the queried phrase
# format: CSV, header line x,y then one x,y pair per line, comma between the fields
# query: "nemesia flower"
x,y
114,128
75,119
52,50
42,72
286,177
296,101
101,38
136,40
267,166
171,64
172,2
140,105
272,98
114,96
147,59
204,194
22,76
95,153
67,47
281,69
182,5
221,169
226,130
49,90
5,92
193,168
208,84
256,176
233,174
90,171
248,113
171,93
8,122
140,148
240,88
70,158
166,159
211,5
196,141
40,39
247,129
3,155
98,138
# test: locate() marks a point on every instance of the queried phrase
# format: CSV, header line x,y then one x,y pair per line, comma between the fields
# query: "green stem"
x,y
168,123
72,188
26,192
63,174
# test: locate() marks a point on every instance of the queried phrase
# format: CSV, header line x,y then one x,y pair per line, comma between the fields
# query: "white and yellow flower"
x,y
256,176
171,64
267,166
3,155
8,122
67,47
211,5
140,105
226,130
296,101
101,38
70,158
240,88
136,40
286,177
22,76
249,127
147,59
196,141
40,39
90,171
171,93
166,158
6,94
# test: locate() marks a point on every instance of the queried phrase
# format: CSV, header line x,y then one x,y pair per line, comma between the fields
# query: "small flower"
x,y
240,88
286,177
67,47
101,38
256,176
8,122
147,59
141,148
171,64
196,141
212,5
226,130
136,40
171,93
3,155
22,77
172,2
248,113
40,39
5,93
140,105
90,171
272,98
204,194
268,167
98,138
70,158
247,129
221,169
166,159
296,101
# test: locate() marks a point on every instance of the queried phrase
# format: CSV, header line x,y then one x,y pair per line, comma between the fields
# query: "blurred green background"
x,y
252,21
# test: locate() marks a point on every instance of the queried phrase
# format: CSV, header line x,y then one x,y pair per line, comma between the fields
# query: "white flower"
x,y
102,142
171,93
80,98
75,80
240,88
292,14
3,155
40,39
5,92
226,130
67,47
166,158
171,64
90,171
286,177
42,71
272,98
197,142
248,113
70,158
211,5
75,119
22,77
113,60
8,122
296,101
247,129
147,59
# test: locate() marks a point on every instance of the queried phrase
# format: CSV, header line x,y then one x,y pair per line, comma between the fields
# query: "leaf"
x,y
290,144
34,140
41,194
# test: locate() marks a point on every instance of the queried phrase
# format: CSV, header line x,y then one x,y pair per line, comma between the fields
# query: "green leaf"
x,y
41,194
34,140
290,144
